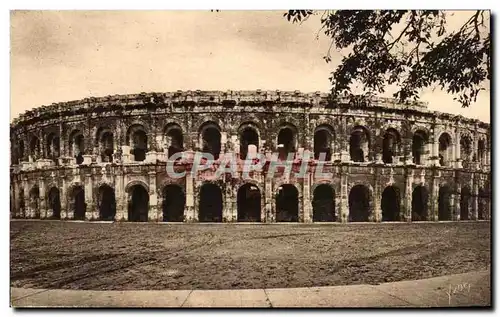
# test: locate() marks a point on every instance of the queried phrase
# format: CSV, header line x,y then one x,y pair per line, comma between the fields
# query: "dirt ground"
x,y
126,256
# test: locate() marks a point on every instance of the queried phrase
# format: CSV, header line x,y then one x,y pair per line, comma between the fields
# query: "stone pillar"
x,y
229,203
271,192
26,197
43,199
344,196
120,197
42,145
434,150
434,197
90,210
377,210
307,216
407,196
190,213
455,203
63,195
474,199
153,197
267,211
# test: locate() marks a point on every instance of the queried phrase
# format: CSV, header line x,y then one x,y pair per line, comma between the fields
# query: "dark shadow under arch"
x,y
249,203
210,204
359,204
287,204
324,203
173,204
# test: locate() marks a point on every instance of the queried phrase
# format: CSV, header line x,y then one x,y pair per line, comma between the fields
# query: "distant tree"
x,y
423,53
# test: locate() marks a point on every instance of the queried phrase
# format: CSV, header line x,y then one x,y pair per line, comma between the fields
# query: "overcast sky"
x,y
67,55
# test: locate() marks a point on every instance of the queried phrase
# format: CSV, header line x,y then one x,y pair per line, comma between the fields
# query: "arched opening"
x,y
359,144
418,146
52,145
248,203
466,148
137,139
444,203
287,204
391,204
445,148
35,201
54,202
419,202
174,139
323,142
106,145
77,203
138,205
481,151
359,204
77,146
34,147
287,140
465,196
174,201
390,146
482,202
211,139
106,203
210,205
248,137
21,151
324,203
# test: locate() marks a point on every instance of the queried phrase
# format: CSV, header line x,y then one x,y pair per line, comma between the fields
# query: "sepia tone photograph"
x,y
250,159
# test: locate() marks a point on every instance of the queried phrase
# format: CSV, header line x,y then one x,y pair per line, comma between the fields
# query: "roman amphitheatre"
x,y
85,169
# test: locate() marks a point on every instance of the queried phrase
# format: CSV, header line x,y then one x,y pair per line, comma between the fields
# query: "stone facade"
x,y
105,158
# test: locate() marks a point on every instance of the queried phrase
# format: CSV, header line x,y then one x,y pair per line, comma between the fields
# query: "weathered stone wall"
x,y
266,112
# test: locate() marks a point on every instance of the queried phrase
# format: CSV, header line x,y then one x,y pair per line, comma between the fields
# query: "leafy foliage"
x,y
422,54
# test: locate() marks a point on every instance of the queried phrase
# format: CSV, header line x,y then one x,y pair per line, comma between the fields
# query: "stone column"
x,y
344,196
43,199
455,203
229,204
267,211
26,197
153,197
63,195
271,192
434,197
344,141
120,197
407,196
377,210
306,198
190,214
474,199
90,210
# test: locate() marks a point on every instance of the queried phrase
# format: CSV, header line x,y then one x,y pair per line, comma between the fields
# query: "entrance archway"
x,y
359,204
210,204
174,201
78,203
419,202
35,201
106,203
324,203
465,196
444,203
391,204
287,204
138,205
248,203
54,202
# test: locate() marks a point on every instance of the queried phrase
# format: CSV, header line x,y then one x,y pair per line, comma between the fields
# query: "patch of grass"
x,y
125,256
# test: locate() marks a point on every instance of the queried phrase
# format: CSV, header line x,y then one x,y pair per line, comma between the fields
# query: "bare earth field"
x,y
126,256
